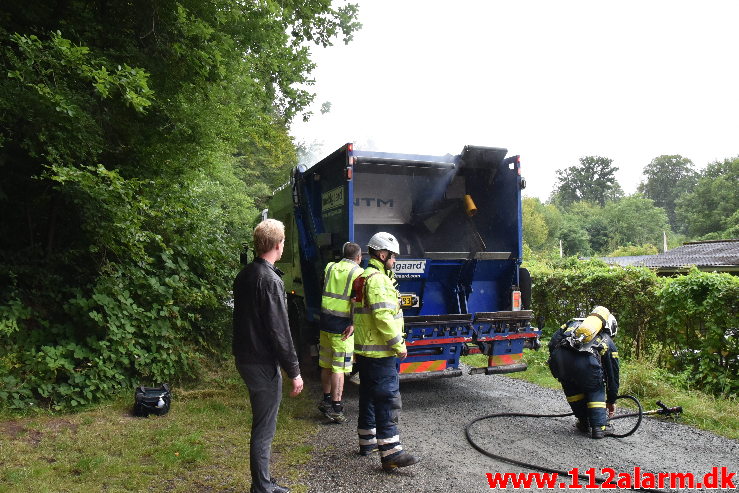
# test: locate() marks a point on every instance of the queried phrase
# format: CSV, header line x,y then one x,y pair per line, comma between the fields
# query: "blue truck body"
x,y
458,221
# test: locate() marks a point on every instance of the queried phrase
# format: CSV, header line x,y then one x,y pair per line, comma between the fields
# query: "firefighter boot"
x,y
598,432
365,450
582,426
403,459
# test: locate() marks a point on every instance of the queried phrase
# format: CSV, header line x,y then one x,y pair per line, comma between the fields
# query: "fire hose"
x,y
639,414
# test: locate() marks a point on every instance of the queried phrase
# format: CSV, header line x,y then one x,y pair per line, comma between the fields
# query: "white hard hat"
x,y
384,241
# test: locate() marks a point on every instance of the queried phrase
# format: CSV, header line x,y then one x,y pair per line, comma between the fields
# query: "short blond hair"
x,y
267,235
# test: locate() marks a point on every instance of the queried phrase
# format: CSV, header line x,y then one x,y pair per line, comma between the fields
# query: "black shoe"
x,y
365,450
324,406
276,488
598,432
403,459
336,416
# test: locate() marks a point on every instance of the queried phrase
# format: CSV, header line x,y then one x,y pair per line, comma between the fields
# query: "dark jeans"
x,y
379,402
265,393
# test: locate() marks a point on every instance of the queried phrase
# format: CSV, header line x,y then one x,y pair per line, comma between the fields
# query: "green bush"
x,y
701,316
571,288
150,309
686,324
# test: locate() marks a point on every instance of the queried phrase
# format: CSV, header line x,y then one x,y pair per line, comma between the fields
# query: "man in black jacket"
x,y
262,345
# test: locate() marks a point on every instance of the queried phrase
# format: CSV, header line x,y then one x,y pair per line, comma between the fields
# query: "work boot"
x,y
335,412
582,426
324,406
336,416
365,450
403,459
598,432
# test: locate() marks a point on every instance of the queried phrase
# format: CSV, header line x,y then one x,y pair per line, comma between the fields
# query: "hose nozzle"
x,y
668,411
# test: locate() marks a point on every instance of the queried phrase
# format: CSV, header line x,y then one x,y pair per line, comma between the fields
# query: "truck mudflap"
x,y
502,336
435,343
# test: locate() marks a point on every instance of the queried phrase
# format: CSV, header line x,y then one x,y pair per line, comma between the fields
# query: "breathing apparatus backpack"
x,y
580,335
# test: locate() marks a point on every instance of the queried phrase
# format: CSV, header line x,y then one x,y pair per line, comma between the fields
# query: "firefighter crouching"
x,y
583,357
378,343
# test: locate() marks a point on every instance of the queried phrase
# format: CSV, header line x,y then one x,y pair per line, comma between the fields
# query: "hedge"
x,y
687,324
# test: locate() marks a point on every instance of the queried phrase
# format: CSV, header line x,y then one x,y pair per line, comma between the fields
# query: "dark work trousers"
x,y
379,402
588,406
265,393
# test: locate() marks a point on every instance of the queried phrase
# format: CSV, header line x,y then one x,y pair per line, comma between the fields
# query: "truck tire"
x,y
296,316
524,284
299,329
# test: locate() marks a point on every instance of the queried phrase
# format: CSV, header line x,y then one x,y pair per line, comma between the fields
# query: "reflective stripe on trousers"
x,y
379,403
589,407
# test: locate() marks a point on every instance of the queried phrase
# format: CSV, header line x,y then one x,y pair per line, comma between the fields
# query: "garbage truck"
x,y
458,221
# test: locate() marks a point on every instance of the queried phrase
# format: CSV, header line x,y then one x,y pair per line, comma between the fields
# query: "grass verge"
x,y
201,445
648,384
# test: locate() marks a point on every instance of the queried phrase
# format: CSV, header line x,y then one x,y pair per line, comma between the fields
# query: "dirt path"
x,y
432,423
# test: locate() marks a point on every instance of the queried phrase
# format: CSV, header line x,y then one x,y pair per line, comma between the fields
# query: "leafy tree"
x,y
668,177
634,220
135,140
575,238
593,180
535,229
711,208
590,216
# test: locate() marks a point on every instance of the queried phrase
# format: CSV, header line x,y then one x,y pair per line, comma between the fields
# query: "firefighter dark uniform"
x,y
587,366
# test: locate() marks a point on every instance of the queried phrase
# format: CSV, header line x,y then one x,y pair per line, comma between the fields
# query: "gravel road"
x,y
432,423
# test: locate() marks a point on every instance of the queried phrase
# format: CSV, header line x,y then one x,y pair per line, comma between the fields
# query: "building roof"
x,y
720,255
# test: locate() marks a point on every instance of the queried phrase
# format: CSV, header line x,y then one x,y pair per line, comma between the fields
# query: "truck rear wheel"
x,y
524,284
299,330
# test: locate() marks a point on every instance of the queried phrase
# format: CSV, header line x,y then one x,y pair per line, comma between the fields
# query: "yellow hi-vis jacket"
x,y
337,287
378,319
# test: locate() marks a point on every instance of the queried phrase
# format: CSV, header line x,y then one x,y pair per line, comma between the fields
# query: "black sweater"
x,y
261,331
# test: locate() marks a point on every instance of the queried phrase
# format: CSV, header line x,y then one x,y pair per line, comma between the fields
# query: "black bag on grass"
x,y
151,400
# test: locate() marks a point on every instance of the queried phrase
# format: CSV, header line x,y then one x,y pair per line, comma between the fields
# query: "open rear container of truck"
x,y
458,222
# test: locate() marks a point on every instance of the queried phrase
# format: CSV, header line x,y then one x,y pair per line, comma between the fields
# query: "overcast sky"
x,y
550,80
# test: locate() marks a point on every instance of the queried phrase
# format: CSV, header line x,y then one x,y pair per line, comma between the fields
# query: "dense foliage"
x,y
667,179
587,214
711,209
135,140
687,324
593,180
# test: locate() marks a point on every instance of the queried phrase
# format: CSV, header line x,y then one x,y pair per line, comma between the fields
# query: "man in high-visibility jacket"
x,y
336,345
584,358
378,345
